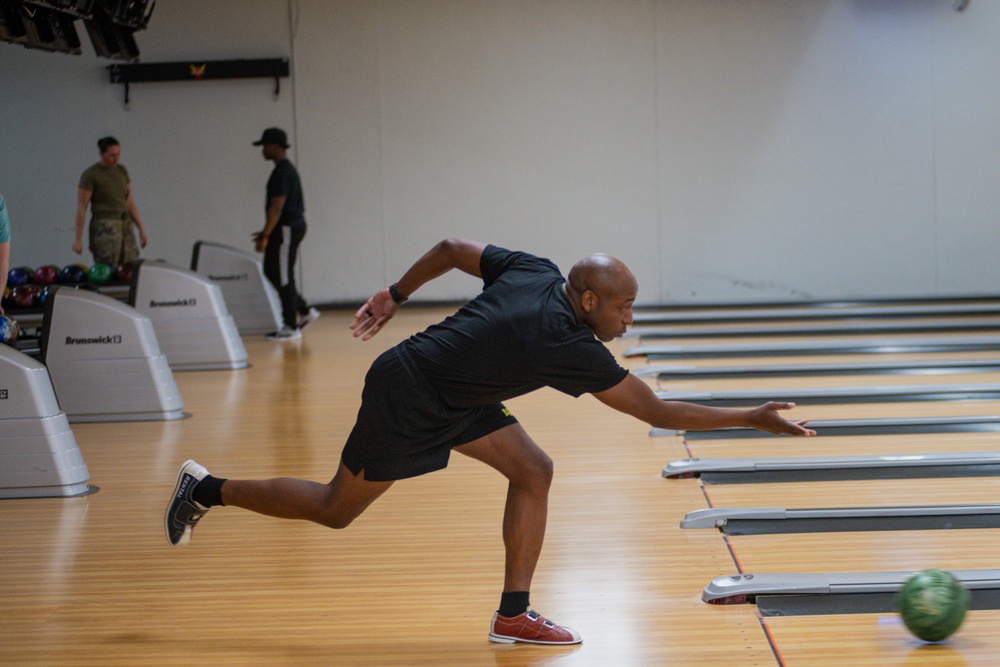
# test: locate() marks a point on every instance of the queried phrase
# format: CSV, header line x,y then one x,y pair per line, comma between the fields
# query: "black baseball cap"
x,y
273,135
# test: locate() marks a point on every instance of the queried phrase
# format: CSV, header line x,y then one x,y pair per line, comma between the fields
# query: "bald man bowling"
x,y
442,390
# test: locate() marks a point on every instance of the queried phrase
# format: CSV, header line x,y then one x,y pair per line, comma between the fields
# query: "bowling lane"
x,y
784,391
770,383
817,359
867,551
731,347
871,638
919,443
792,310
650,333
792,337
854,493
880,640
889,410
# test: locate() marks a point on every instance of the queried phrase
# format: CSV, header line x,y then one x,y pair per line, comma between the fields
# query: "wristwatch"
x,y
396,296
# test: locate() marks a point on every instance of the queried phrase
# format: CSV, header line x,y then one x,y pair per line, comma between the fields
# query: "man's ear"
x,y
588,300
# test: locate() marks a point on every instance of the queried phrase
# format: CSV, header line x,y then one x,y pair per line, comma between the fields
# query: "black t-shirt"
x,y
519,334
284,182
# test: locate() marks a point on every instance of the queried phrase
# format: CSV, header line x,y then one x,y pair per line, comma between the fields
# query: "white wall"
x,y
186,145
725,149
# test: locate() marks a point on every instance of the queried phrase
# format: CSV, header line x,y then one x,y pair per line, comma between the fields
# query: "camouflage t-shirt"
x,y
109,188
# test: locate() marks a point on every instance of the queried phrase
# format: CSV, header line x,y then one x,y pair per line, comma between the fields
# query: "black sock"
x,y
208,492
513,604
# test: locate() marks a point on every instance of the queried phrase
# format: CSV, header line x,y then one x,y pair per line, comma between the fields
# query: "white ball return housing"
x,y
193,325
105,361
39,457
251,298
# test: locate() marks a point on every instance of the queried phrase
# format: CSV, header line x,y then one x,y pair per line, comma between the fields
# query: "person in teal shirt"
x,y
4,246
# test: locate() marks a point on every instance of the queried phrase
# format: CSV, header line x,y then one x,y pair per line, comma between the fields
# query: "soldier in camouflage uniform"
x,y
107,189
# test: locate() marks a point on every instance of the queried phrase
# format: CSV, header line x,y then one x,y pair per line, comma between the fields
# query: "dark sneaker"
x,y
530,627
183,513
285,333
308,318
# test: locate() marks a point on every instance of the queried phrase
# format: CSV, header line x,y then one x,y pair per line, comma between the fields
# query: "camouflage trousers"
x,y
112,241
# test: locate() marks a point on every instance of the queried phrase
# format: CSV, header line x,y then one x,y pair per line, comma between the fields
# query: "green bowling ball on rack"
x,y
932,604
100,273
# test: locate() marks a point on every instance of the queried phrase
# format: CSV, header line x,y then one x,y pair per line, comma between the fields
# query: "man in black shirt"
x,y
285,212
442,390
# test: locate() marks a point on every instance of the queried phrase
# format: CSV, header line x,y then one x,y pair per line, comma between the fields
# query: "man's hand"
x,y
447,255
634,397
373,315
766,418
259,241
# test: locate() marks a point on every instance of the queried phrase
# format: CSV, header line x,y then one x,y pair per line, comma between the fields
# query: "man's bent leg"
x,y
528,469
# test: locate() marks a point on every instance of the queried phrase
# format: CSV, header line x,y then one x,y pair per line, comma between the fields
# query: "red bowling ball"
x,y
24,296
123,272
45,275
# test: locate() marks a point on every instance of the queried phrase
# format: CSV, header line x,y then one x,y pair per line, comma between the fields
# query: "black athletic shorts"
x,y
405,429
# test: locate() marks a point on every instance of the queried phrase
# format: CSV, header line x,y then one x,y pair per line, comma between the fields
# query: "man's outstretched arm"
x,y
634,397
443,257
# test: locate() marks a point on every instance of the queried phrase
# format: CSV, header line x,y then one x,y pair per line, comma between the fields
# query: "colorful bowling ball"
x,y
932,604
18,276
45,293
5,302
100,273
45,275
8,329
74,274
24,296
123,272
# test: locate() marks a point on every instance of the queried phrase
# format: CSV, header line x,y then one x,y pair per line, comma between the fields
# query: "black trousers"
x,y
279,267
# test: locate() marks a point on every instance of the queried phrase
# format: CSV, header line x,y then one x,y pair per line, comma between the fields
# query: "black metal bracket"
x,y
127,74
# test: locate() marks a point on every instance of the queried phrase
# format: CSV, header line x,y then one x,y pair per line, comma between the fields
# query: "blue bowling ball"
x,y
18,276
8,329
45,293
73,274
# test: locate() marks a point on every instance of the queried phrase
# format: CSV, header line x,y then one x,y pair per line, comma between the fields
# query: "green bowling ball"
x,y
932,604
100,273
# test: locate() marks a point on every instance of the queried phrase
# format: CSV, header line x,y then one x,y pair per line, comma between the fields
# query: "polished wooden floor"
x,y
92,581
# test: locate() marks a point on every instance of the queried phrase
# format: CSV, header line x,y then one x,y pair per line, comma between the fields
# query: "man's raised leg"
x,y
335,504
